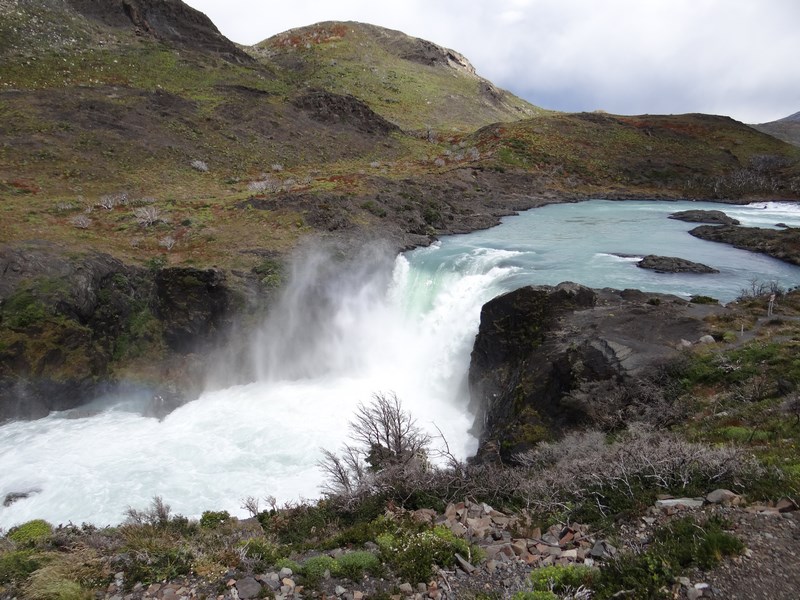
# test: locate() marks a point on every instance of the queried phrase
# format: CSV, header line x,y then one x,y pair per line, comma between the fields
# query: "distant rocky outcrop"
x,y
786,129
345,110
783,244
169,20
713,217
550,359
672,264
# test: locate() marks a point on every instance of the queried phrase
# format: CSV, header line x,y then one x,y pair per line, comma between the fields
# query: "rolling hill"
x,y
786,129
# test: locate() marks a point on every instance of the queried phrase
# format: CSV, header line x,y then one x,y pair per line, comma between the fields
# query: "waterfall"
x,y
341,331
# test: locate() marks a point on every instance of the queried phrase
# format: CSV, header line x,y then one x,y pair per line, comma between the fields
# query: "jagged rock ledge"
x,y
549,359
76,328
781,244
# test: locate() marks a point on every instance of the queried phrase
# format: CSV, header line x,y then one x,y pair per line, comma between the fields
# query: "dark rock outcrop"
x,y
549,359
72,325
713,217
672,264
194,306
782,244
337,109
169,20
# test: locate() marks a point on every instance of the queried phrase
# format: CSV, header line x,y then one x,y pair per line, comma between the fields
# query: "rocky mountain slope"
x,y
786,129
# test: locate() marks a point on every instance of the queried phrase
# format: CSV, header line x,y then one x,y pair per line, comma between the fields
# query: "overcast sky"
x,y
732,57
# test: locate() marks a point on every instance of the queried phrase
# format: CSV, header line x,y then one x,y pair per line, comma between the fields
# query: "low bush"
x,y
17,565
315,568
413,554
31,532
212,519
354,565
263,551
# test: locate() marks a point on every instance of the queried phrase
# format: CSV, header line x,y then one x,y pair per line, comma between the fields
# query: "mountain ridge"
x,y
786,129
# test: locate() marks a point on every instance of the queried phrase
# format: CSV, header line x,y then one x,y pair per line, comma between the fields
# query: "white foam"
x,y
335,341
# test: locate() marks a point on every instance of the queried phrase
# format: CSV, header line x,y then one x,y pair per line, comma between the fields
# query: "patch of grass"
x,y
17,565
681,544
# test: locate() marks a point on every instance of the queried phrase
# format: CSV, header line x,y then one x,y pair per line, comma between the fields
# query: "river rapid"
x,y
402,324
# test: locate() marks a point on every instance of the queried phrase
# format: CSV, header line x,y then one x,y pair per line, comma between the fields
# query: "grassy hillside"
x,y
786,129
336,127
411,82
694,155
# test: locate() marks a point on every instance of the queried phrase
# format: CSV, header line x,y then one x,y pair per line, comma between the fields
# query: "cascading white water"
x,y
341,332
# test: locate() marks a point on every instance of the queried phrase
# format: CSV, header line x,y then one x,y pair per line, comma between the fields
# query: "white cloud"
x,y
732,57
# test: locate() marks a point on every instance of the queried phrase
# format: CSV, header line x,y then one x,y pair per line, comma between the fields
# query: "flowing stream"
x,y
401,324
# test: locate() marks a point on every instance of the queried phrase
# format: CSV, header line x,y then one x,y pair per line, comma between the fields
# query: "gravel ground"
x,y
771,568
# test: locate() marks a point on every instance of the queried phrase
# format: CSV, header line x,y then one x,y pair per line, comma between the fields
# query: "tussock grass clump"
x,y
31,532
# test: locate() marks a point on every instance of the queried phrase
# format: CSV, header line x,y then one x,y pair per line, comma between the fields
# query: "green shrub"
x,y
354,565
413,554
703,300
314,568
287,563
17,565
159,564
303,524
23,309
559,578
31,532
213,519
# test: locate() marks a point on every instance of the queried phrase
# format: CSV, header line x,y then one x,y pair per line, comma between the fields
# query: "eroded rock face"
x,y
68,324
673,264
338,109
536,346
169,20
194,306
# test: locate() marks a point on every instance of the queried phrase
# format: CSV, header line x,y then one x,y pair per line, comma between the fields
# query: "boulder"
x,y
550,359
679,503
722,496
672,264
713,217
248,588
